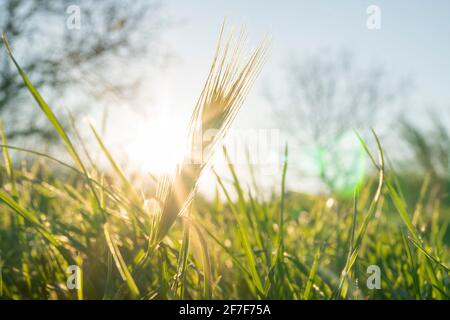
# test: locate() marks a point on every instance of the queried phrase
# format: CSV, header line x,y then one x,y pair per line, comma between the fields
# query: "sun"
x,y
159,145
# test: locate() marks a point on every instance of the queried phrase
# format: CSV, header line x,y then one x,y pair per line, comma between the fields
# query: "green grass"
x,y
240,245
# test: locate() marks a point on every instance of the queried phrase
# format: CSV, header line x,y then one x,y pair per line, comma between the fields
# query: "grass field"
x,y
171,243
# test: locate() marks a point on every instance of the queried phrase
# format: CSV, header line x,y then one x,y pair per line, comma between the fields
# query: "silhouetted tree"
x,y
90,60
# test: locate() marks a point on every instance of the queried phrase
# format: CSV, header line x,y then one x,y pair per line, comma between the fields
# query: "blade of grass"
x,y
80,278
368,218
412,267
282,204
19,219
120,263
7,159
276,276
244,236
207,274
430,256
183,255
30,217
312,276
114,164
247,274
50,116
33,220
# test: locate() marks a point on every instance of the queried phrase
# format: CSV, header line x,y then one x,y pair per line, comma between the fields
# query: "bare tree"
x,y
327,95
90,60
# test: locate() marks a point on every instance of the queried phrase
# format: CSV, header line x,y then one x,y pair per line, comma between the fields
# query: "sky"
x,y
413,42
413,39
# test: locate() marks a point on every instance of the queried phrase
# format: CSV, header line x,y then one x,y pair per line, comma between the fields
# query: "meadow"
x,y
73,230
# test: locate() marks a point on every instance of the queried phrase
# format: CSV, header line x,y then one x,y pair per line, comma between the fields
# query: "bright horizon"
x,y
411,43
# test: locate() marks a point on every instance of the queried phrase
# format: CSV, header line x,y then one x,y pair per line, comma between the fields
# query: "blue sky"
x,y
414,39
413,42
